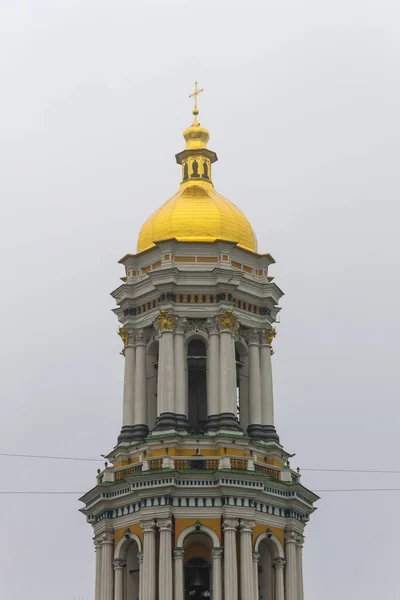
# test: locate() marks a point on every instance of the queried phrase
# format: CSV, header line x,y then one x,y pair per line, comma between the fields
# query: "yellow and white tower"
x,y
199,500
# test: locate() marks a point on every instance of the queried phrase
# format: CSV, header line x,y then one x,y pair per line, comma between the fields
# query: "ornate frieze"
x,y
196,325
119,563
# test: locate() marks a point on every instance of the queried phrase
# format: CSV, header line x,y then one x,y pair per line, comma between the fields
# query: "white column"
x,y
267,400
227,373
97,545
230,559
246,560
119,572
299,551
128,416
140,380
140,562
180,371
213,370
165,560
107,578
179,553
255,409
149,561
216,554
256,558
166,374
291,566
279,564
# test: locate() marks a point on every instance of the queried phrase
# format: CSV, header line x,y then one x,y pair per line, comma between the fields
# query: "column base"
x,y
127,434
182,423
270,434
212,423
256,431
166,420
228,421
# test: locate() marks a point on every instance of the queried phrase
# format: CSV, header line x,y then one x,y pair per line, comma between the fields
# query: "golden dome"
x,y
197,213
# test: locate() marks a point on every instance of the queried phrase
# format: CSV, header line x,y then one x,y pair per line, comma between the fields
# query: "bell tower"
x,y
198,499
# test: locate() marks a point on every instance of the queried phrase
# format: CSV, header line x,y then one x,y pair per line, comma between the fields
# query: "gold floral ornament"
x,y
124,335
165,320
269,336
228,320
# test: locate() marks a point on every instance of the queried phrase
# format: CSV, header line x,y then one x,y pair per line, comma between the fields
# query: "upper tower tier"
x,y
197,212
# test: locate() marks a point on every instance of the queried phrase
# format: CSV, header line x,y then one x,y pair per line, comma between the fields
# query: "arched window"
x,y
197,385
197,579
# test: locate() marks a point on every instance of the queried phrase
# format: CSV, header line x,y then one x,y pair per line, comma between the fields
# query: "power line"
x,y
42,456
82,458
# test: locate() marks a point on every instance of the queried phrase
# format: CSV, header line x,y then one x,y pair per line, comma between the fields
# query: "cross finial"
x,y
194,95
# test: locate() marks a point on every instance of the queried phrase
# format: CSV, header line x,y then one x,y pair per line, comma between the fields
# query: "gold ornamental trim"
x,y
270,334
165,320
124,335
228,320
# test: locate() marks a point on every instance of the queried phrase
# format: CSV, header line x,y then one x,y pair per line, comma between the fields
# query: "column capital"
x,y
212,326
179,553
256,556
148,526
268,335
165,524
279,563
119,563
180,326
228,321
247,526
107,537
299,539
165,322
252,337
217,553
127,336
97,542
291,537
140,557
141,337
230,524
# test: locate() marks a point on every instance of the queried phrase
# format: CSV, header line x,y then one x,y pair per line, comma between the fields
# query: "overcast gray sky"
x,y
302,102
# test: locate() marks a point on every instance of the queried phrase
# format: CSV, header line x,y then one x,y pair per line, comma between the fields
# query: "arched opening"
x,y
132,572
197,567
152,382
127,551
197,384
265,573
241,362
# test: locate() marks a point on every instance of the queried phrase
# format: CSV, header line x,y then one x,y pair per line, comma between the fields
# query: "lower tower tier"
x,y
183,517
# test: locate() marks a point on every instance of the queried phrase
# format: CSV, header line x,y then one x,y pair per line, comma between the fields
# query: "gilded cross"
x,y
194,95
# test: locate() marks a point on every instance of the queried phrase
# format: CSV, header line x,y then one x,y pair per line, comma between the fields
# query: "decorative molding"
x,y
291,537
148,526
165,320
127,336
140,557
256,556
228,321
217,553
196,325
179,553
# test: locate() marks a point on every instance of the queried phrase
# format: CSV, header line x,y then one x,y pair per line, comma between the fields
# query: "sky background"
x,y
302,103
